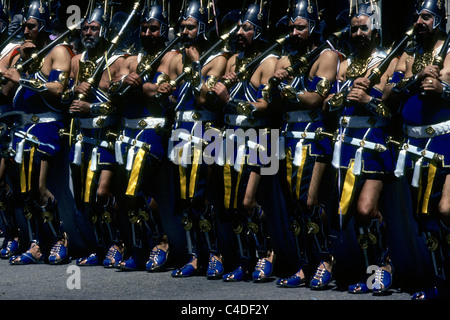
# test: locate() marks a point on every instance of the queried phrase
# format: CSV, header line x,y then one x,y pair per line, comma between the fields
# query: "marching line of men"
x,y
125,114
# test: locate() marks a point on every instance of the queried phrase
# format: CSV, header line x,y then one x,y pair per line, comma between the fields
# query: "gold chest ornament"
x,y
421,60
358,67
241,64
144,64
85,70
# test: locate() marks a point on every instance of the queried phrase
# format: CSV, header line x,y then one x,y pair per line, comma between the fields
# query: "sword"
x,y
188,137
422,152
363,143
249,143
24,135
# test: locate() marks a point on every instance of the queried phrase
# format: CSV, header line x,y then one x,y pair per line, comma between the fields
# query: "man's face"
x,y
361,32
298,32
189,30
244,35
150,32
90,34
31,31
423,25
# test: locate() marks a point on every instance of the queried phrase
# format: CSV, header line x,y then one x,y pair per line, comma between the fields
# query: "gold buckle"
x,y
430,130
196,116
100,122
142,123
35,118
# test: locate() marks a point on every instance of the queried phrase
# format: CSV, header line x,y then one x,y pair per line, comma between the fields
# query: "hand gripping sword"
x,y
337,101
97,74
188,70
148,67
37,56
304,62
244,71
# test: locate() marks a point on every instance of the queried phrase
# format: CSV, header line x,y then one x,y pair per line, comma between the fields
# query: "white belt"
x,y
363,122
134,143
100,143
26,137
361,144
422,153
42,117
96,143
243,121
189,139
194,115
300,116
301,135
144,123
428,131
97,122
243,144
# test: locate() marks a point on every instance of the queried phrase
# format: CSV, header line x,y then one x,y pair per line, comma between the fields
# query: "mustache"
x,y
420,27
185,37
187,41
361,39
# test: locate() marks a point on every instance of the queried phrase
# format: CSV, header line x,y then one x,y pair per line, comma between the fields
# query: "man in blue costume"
x,y
92,157
421,85
241,180
141,146
361,155
186,143
9,226
38,142
306,152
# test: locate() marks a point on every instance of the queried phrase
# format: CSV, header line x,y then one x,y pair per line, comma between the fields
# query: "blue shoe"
x,y
234,276
157,259
321,278
215,268
129,265
428,294
59,251
292,281
91,260
12,247
113,257
360,287
263,270
187,270
27,257
382,281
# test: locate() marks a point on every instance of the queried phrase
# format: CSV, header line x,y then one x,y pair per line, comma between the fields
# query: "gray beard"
x,y
89,44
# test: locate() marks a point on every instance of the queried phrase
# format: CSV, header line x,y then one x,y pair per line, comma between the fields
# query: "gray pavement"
x,y
69,282
96,291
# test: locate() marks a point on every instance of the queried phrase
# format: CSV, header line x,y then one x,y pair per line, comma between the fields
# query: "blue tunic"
x,y
94,128
45,124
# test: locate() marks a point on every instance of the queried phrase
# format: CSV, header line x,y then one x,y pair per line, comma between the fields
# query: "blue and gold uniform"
x,y
424,156
140,149
187,144
186,151
92,152
361,149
